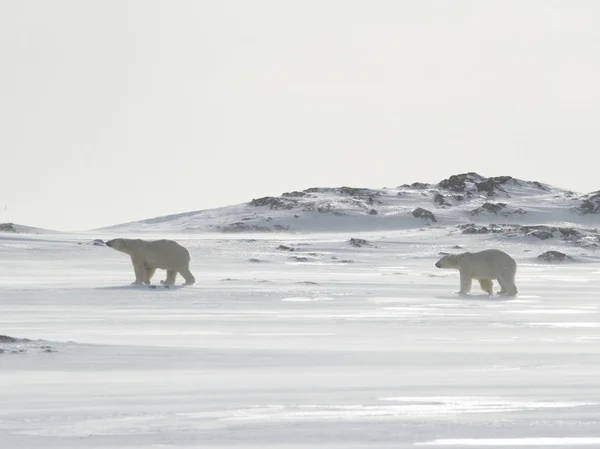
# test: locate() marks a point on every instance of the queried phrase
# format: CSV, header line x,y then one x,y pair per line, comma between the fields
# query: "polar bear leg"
x,y
140,272
507,286
149,273
188,276
465,283
171,276
487,285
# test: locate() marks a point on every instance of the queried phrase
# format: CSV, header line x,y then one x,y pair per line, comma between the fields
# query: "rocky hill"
x,y
466,203
13,228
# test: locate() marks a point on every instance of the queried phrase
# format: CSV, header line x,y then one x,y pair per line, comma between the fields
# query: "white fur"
x,y
485,266
149,255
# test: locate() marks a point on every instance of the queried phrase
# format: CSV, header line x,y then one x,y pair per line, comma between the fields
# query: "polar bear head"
x,y
448,262
118,244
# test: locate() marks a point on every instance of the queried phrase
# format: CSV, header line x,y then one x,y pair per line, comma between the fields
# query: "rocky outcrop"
x,y
241,226
554,256
459,183
590,204
496,209
7,227
423,214
581,237
416,186
357,242
440,200
491,208
294,194
273,202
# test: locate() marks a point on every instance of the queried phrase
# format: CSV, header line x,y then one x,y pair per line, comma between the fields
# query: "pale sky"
x,y
114,111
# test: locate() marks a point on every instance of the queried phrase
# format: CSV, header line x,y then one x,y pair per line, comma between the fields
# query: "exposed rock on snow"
x,y
274,203
95,242
554,256
590,204
440,200
462,182
12,345
496,209
357,242
285,248
7,339
416,185
7,227
294,194
244,227
581,237
492,208
423,214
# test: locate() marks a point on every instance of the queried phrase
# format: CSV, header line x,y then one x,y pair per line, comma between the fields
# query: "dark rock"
x,y
542,235
346,261
98,242
590,204
7,227
300,259
255,260
357,242
273,203
554,256
458,197
490,185
357,191
492,208
241,226
7,339
416,185
285,248
294,194
472,228
423,214
569,233
373,212
440,200
588,238
458,183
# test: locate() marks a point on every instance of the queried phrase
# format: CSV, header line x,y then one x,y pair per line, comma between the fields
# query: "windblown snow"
x,y
334,331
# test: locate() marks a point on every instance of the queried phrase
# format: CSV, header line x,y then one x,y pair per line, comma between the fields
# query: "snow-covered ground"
x,y
327,346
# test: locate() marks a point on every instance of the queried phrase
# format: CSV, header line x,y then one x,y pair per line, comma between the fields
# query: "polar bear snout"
x,y
109,243
437,264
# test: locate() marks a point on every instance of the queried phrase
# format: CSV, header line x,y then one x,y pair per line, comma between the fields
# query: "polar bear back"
x,y
487,264
163,254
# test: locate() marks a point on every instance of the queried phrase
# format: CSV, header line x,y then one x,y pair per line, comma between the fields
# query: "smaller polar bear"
x,y
149,255
485,266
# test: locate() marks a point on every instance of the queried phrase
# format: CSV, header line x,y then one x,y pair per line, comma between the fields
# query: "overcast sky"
x,y
113,111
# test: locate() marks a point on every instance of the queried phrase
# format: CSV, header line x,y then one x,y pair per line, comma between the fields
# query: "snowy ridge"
x,y
13,228
461,199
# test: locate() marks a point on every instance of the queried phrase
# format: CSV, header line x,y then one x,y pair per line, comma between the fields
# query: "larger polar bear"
x,y
485,266
149,255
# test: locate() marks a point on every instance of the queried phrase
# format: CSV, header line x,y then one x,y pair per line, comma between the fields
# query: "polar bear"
x,y
149,255
485,266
